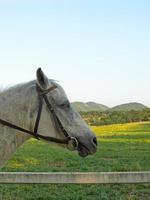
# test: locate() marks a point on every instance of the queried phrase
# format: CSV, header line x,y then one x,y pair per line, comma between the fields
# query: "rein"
x,y
71,141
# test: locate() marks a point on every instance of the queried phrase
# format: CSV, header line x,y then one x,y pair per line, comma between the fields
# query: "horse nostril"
x,y
95,141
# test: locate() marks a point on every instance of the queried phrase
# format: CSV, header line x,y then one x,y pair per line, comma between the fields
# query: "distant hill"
x,y
89,106
128,107
92,106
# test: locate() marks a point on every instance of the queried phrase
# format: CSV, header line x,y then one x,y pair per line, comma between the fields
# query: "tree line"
x,y
115,117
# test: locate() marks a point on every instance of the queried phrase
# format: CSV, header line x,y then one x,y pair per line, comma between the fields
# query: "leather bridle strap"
x,y
71,142
35,133
38,117
51,139
55,116
42,95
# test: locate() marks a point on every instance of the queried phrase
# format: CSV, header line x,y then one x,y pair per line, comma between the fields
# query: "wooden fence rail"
x,y
75,177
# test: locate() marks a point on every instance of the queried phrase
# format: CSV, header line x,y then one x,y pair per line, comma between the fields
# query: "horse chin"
x,y
83,154
82,151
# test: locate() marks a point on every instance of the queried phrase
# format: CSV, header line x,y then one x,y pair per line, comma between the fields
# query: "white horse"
x,y
20,104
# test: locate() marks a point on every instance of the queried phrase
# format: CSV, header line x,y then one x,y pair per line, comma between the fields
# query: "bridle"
x,y
71,142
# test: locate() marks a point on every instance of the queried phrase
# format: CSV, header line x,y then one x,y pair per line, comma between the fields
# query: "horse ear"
x,y
42,79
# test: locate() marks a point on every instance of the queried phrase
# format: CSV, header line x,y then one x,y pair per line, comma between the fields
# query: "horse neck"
x,y
18,106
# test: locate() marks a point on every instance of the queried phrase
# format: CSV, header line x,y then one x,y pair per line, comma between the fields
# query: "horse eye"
x,y
65,105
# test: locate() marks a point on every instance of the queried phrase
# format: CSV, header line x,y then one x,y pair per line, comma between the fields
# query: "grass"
x,y
121,148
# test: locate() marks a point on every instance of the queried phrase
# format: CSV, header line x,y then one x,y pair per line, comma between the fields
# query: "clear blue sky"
x,y
99,50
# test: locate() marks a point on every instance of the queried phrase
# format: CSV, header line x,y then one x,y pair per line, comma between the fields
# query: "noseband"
x,y
42,94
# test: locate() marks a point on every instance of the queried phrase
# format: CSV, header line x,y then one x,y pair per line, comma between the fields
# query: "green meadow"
x,y
121,148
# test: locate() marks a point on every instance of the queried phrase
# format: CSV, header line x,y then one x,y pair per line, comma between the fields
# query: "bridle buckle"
x,y
72,144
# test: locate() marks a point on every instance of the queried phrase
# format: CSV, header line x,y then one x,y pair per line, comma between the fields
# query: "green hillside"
x,y
89,106
128,107
92,106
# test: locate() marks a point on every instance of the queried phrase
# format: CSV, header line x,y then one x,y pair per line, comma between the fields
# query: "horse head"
x,y
82,138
